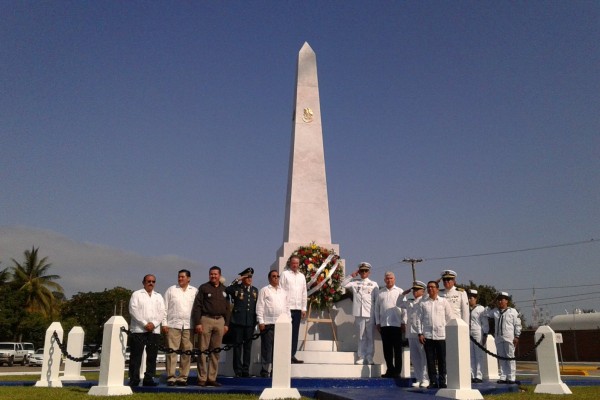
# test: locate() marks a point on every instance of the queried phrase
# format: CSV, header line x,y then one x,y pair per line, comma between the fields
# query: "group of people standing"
x,y
210,312
213,310
423,322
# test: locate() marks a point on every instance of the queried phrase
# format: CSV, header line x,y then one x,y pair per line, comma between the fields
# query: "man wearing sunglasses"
x,y
147,310
272,302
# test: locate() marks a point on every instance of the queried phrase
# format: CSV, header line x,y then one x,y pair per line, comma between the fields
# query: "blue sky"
x,y
158,133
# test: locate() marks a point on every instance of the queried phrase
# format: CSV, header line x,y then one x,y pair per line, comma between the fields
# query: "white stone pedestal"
x,y
548,371
112,360
74,348
458,363
52,357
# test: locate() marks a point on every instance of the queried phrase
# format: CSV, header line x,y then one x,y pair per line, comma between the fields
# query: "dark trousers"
x,y
241,353
391,340
138,342
435,351
296,317
267,340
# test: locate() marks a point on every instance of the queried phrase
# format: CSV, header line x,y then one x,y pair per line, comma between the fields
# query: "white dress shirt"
x,y
387,307
178,306
294,284
363,295
272,302
433,315
146,307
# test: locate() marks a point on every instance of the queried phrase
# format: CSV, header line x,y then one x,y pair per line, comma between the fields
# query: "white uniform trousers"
x,y
366,346
477,357
418,360
508,369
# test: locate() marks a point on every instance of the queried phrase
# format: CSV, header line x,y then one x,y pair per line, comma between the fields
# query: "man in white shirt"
x,y
417,351
364,292
293,281
179,300
389,321
147,311
508,330
457,297
272,302
478,325
432,316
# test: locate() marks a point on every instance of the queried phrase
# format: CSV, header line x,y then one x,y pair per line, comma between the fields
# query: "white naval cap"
x,y
364,266
448,273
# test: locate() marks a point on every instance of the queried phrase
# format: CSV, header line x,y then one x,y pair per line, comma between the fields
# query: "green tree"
x,y
91,310
31,277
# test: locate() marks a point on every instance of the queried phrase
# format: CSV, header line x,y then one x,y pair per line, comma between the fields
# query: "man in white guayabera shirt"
x,y
272,302
179,300
293,281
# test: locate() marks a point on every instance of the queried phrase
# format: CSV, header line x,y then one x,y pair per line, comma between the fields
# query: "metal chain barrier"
x,y
196,352
509,358
63,349
167,350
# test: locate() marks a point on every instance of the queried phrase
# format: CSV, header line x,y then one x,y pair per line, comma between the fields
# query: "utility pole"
x,y
412,262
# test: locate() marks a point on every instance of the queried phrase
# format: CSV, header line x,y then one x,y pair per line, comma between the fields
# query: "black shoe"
x,y
387,375
443,386
213,383
181,383
149,383
245,374
264,374
501,381
134,383
433,386
171,383
296,361
201,383
512,382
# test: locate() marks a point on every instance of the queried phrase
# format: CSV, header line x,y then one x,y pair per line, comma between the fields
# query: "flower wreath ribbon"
x,y
321,268
327,278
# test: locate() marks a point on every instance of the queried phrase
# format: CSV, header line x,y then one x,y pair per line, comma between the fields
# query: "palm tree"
x,y
30,278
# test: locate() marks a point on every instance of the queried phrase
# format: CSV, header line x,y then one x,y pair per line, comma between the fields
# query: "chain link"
x,y
509,358
63,349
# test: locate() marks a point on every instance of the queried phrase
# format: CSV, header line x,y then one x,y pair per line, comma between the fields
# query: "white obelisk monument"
x,y
307,205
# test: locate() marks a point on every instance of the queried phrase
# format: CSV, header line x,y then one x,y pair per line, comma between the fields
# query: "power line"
x,y
568,301
555,287
513,251
552,298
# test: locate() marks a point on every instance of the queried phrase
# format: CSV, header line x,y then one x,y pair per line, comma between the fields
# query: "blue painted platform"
x,y
321,389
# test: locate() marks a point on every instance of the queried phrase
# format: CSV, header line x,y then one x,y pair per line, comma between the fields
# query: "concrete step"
x,y
317,345
335,371
326,357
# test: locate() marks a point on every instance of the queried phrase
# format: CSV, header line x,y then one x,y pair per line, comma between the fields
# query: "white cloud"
x,y
85,267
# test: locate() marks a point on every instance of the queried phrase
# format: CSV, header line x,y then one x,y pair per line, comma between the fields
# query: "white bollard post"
x,y
74,348
458,363
282,367
112,360
52,358
489,367
548,372
405,373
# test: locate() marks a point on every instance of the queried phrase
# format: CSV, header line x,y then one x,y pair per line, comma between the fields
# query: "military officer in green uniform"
x,y
243,320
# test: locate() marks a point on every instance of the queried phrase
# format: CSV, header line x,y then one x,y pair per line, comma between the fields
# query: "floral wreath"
x,y
324,272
